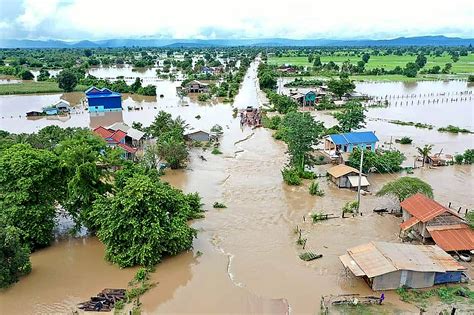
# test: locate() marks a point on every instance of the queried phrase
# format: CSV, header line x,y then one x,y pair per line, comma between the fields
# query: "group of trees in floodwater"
x,y
139,218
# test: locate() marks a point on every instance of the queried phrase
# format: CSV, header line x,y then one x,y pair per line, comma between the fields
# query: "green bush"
x,y
271,122
406,140
216,151
203,97
291,176
315,190
306,175
350,207
458,158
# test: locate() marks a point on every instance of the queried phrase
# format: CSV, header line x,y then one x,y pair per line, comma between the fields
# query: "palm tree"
x,y
424,152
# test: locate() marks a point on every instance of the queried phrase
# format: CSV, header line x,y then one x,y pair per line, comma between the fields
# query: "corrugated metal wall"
x,y
447,277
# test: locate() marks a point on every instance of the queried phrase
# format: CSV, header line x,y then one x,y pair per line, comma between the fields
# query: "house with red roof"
x,y
117,138
427,219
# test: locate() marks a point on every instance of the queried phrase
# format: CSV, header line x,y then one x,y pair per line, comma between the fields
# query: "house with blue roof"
x,y
337,144
103,100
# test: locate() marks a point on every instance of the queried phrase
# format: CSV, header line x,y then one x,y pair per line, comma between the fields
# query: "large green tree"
x,y
31,181
143,222
67,80
405,187
379,162
14,256
84,159
301,132
341,86
351,117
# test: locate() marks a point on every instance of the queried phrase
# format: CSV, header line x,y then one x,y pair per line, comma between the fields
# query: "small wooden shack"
x,y
345,176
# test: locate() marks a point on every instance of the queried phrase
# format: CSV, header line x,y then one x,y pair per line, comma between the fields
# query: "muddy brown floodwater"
x,y
245,259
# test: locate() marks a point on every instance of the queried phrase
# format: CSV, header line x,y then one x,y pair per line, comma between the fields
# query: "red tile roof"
x,y
103,132
118,135
453,238
127,148
422,207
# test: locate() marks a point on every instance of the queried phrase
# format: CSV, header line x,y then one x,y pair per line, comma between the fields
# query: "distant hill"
x,y
266,42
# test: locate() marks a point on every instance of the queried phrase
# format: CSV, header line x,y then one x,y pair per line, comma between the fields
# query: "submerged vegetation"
x,y
74,169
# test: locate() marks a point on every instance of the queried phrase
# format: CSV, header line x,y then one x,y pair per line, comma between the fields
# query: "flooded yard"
x,y
249,261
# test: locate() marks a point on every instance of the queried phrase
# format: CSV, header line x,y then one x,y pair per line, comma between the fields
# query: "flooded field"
x,y
249,261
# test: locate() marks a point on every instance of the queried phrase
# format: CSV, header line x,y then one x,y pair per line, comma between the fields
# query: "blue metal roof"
x,y
354,138
94,92
113,94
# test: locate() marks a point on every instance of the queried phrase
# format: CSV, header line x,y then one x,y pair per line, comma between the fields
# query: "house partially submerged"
x,y
103,100
345,176
336,144
197,135
308,97
60,107
196,86
387,266
427,219
134,136
117,138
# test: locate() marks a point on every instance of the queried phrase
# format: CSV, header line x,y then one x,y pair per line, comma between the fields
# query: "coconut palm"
x,y
425,151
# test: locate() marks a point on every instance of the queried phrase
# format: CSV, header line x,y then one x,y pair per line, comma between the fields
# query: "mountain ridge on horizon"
x,y
432,40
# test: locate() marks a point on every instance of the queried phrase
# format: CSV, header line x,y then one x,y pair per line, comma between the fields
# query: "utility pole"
x,y
360,179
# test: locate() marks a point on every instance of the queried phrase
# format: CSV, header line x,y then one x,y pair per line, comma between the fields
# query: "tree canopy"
x,y
30,180
144,221
14,256
341,86
300,131
379,162
405,187
351,117
67,80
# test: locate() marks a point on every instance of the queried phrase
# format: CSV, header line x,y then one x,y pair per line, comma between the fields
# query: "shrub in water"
x,y
290,176
406,140
315,190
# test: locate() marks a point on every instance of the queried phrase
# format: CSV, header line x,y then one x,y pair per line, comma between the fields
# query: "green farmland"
x,y
31,87
465,64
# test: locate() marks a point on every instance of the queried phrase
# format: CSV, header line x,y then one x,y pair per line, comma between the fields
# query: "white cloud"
x,y
93,19
36,12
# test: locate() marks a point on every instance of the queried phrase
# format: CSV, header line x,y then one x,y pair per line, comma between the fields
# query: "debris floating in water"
x,y
104,301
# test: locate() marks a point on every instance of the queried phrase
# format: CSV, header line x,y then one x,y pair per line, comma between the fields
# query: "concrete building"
x,y
103,100
388,266
336,144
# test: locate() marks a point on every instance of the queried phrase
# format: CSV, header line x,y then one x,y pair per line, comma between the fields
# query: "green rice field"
x,y
465,64
32,87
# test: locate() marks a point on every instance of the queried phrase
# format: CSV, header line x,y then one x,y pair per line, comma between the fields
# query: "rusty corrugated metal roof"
x,y
378,258
422,207
409,223
370,260
452,239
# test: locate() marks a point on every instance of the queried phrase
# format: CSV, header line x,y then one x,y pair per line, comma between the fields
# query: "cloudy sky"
x,y
203,19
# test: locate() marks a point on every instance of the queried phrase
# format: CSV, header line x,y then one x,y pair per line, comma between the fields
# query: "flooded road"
x,y
245,259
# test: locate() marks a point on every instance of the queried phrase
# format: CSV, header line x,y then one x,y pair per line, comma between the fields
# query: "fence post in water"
x,y
459,211
449,205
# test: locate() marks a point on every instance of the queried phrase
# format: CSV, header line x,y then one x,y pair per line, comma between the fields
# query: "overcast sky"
x,y
204,19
